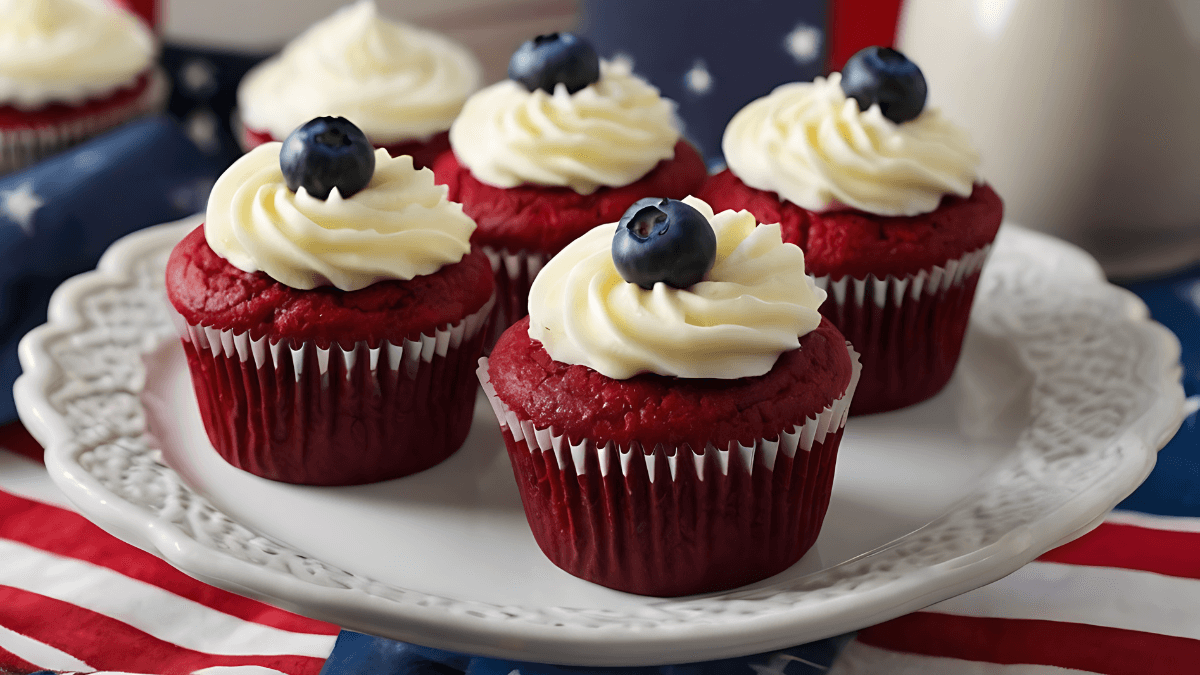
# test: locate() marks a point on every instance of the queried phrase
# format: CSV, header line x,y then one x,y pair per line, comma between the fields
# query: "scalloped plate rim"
x,y
354,609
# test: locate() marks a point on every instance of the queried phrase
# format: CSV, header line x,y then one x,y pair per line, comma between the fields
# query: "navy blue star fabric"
x,y
58,216
714,60
204,95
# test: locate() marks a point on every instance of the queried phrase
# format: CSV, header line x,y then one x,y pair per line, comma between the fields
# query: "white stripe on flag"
x,y
26,478
1169,523
39,654
160,613
1098,596
860,659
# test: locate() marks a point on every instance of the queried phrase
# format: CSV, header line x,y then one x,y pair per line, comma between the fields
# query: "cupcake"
x,y
672,426
332,340
883,195
567,143
400,84
70,70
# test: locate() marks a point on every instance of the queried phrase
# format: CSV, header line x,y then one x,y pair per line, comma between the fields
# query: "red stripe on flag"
x,y
14,437
108,644
854,24
1131,547
61,532
1099,649
10,662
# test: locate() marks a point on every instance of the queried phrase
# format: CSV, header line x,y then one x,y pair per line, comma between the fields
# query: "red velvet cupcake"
x,y
400,84
540,161
890,213
70,70
332,341
673,441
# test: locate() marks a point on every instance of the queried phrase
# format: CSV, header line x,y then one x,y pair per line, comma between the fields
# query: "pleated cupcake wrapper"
x,y
932,281
611,456
514,273
300,413
406,356
672,521
908,330
22,147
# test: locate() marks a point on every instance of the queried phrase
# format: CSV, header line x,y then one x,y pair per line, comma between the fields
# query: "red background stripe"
x,y
1099,649
854,24
107,644
64,533
1131,547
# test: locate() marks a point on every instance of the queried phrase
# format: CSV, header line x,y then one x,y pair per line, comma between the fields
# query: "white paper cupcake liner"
x,y
932,281
22,147
614,457
514,273
299,413
406,356
908,330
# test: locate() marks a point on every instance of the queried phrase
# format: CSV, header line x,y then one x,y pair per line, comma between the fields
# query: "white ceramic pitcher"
x,y
1086,112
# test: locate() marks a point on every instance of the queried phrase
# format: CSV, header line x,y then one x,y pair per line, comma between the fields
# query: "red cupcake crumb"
x,y
855,243
206,290
581,403
545,219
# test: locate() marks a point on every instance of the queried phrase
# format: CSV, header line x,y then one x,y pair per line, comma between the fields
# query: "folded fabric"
x,y
58,216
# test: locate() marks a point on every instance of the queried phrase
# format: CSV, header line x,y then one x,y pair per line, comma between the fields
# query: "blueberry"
x,y
325,153
546,60
885,76
663,240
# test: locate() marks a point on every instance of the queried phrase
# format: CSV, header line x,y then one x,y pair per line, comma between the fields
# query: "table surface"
x,y
1125,598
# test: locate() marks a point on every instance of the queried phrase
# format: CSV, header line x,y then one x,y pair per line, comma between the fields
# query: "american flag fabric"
x,y
75,599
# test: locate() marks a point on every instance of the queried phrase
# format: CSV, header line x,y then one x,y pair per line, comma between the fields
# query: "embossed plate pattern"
x,y
1065,393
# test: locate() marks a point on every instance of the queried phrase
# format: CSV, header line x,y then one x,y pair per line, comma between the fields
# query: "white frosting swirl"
x,y
398,227
394,81
811,145
610,133
68,51
753,305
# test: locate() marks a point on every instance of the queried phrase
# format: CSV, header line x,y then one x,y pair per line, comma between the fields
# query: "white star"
x,y
199,77
202,128
698,80
20,205
803,43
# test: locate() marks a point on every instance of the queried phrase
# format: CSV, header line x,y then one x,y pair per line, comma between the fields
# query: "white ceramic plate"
x,y
1065,392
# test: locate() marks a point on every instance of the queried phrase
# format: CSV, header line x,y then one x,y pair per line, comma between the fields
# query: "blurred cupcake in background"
x,y
567,143
70,70
400,84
